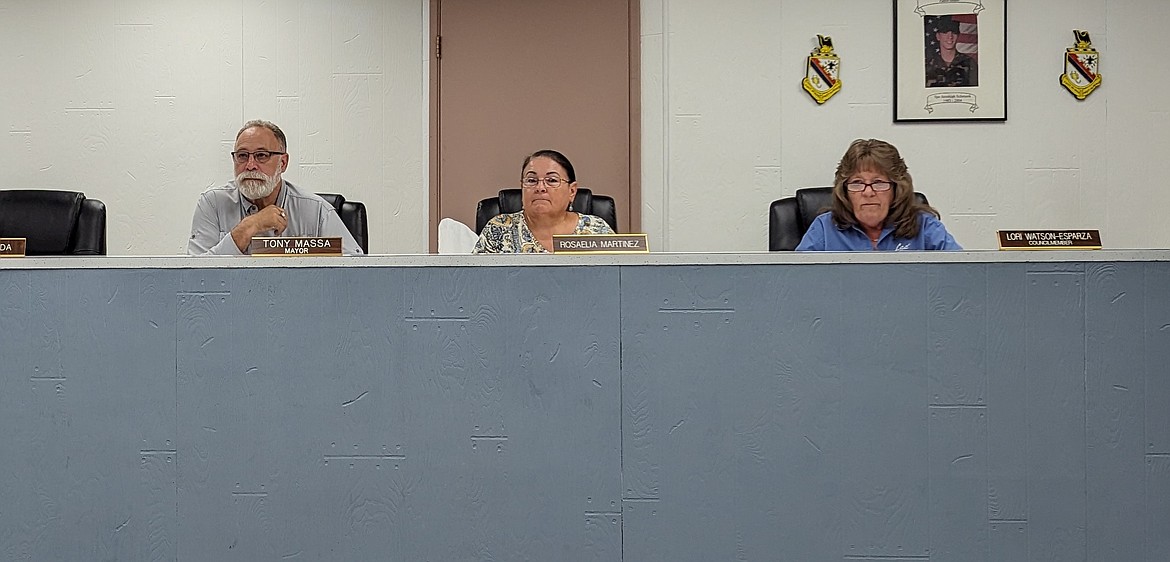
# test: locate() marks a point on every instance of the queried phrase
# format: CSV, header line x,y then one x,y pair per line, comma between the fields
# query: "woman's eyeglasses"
x,y
551,182
857,186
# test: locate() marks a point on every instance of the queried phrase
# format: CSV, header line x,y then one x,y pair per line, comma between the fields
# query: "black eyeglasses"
x,y
551,182
857,186
261,156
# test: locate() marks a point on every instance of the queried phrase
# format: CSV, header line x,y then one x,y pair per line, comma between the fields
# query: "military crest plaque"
x,y
822,76
1081,62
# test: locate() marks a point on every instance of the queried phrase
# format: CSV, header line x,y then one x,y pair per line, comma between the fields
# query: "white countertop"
x,y
653,259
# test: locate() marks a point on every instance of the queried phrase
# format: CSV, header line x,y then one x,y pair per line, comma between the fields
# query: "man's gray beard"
x,y
256,185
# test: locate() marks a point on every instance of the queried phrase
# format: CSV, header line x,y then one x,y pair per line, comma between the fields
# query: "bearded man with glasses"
x,y
874,207
260,202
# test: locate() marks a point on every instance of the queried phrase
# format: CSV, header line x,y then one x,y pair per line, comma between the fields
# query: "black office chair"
x,y
54,223
790,217
353,216
511,200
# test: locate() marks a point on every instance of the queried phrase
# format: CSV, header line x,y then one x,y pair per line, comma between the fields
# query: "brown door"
x,y
510,77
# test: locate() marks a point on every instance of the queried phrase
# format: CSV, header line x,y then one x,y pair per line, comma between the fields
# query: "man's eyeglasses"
x,y
857,186
551,182
261,156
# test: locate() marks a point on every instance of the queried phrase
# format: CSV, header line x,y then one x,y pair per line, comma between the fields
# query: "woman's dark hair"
x,y
879,156
555,157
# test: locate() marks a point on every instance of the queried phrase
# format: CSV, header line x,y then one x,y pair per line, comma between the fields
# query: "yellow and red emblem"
x,y
1081,63
822,78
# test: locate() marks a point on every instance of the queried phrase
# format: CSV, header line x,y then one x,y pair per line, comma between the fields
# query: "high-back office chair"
x,y
54,223
790,217
353,215
511,200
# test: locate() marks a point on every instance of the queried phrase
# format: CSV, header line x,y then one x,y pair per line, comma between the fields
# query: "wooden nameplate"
x,y
12,247
295,246
600,244
1049,239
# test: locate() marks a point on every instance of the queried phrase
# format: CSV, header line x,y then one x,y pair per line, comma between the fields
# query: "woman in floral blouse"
x,y
549,185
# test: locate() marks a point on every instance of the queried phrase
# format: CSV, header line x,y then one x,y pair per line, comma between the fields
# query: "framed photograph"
x,y
950,60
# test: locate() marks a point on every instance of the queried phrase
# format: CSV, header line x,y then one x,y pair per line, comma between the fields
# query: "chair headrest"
x,y
812,201
512,200
335,199
46,218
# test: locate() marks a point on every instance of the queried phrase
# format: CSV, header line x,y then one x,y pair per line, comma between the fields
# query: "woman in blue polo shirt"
x,y
874,207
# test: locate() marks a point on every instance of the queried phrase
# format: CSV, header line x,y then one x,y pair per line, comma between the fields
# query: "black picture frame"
x,y
950,60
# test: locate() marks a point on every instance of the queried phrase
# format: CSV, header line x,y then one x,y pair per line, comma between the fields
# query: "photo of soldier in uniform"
x,y
952,50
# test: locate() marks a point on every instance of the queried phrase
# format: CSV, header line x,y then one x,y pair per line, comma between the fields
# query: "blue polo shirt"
x,y
824,236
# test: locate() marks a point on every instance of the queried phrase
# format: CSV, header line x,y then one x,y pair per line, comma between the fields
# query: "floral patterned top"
x,y
509,234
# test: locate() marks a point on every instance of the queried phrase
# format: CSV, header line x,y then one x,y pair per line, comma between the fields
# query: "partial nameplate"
x,y
12,247
600,244
1049,239
295,246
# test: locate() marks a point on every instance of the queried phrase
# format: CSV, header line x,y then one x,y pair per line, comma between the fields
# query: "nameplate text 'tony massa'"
x,y
295,246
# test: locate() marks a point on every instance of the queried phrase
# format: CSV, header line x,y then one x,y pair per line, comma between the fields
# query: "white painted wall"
x,y
727,128
137,103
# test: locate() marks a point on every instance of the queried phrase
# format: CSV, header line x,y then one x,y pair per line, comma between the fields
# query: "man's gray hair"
x,y
267,125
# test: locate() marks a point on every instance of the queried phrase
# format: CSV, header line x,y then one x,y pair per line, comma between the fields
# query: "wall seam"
x,y
1085,276
666,117
621,428
175,429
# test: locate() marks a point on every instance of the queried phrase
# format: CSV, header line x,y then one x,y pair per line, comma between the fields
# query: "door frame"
x,y
434,119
